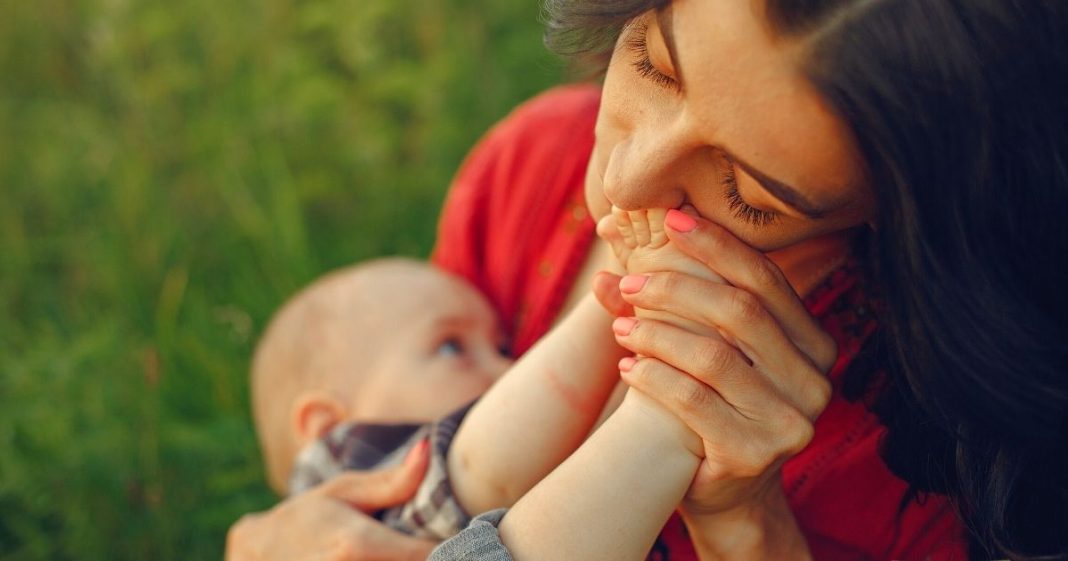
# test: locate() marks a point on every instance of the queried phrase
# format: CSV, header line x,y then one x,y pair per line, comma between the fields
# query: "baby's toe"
x,y
626,229
607,230
640,225
657,236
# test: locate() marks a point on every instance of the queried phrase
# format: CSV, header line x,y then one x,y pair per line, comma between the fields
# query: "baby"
x,y
357,350
364,355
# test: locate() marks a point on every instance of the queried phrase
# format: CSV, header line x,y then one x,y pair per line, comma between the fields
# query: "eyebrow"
x,y
453,321
789,195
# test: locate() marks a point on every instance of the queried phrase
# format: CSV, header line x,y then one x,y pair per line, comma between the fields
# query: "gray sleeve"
x,y
480,541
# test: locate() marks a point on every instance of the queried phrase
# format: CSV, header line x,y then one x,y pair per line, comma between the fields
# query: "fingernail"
x,y
417,452
680,221
632,284
626,363
623,326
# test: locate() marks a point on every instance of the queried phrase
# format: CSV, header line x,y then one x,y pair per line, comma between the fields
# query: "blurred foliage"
x,y
169,173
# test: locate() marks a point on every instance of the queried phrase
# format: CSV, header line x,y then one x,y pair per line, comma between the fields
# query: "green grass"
x,y
169,173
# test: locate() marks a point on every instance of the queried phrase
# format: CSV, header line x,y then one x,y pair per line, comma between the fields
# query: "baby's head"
x,y
387,341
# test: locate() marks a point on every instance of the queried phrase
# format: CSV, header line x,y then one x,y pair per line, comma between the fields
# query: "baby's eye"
x,y
451,347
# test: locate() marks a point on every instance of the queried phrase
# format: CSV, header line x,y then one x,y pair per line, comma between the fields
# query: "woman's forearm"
x,y
538,413
610,499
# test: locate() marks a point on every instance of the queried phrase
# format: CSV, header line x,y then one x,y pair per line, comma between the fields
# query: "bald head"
x,y
351,336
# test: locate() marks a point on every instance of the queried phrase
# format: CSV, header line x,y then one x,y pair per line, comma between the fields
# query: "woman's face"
x,y
703,105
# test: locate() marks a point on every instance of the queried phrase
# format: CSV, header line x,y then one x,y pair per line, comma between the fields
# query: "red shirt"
x,y
515,224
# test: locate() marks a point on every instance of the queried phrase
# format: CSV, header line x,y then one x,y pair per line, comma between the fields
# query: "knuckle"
x,y
752,459
716,242
718,237
642,375
821,393
764,275
745,307
798,439
716,471
752,470
826,352
639,374
694,397
640,338
805,435
652,294
795,432
646,339
718,356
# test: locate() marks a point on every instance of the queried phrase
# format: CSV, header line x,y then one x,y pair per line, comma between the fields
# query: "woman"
x,y
926,139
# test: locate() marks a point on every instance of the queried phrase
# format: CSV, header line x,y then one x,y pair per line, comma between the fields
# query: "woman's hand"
x,y
751,397
606,289
329,523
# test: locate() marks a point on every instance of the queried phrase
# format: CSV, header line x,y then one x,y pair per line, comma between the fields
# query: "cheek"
x,y
786,233
463,388
441,391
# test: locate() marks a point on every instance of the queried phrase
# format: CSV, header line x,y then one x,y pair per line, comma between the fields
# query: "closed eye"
x,y
638,45
739,208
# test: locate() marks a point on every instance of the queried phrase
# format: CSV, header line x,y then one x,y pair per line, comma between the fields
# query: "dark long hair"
x,y
960,110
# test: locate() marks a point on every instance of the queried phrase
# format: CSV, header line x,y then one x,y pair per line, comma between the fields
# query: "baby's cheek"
x,y
467,386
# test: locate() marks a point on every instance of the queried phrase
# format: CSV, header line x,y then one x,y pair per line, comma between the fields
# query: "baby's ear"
x,y
314,414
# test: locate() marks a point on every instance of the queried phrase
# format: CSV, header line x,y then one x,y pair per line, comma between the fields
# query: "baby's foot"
x,y
641,245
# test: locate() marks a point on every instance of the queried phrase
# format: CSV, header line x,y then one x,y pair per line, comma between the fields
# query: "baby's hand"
x,y
638,240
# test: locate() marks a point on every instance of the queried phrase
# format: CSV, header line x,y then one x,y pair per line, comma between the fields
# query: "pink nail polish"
x,y
632,284
680,221
627,363
623,326
415,455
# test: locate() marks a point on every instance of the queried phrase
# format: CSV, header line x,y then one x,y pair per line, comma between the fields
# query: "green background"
x,y
169,173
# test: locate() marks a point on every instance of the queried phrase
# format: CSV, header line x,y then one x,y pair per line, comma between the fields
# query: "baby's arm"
x,y
543,409
610,499
538,413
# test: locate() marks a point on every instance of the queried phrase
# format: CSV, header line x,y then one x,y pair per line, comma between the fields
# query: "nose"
x,y
645,168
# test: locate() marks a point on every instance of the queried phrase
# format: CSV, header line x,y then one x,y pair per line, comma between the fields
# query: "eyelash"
x,y
741,209
639,45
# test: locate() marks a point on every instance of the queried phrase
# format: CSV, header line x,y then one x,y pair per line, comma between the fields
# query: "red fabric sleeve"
x,y
514,219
